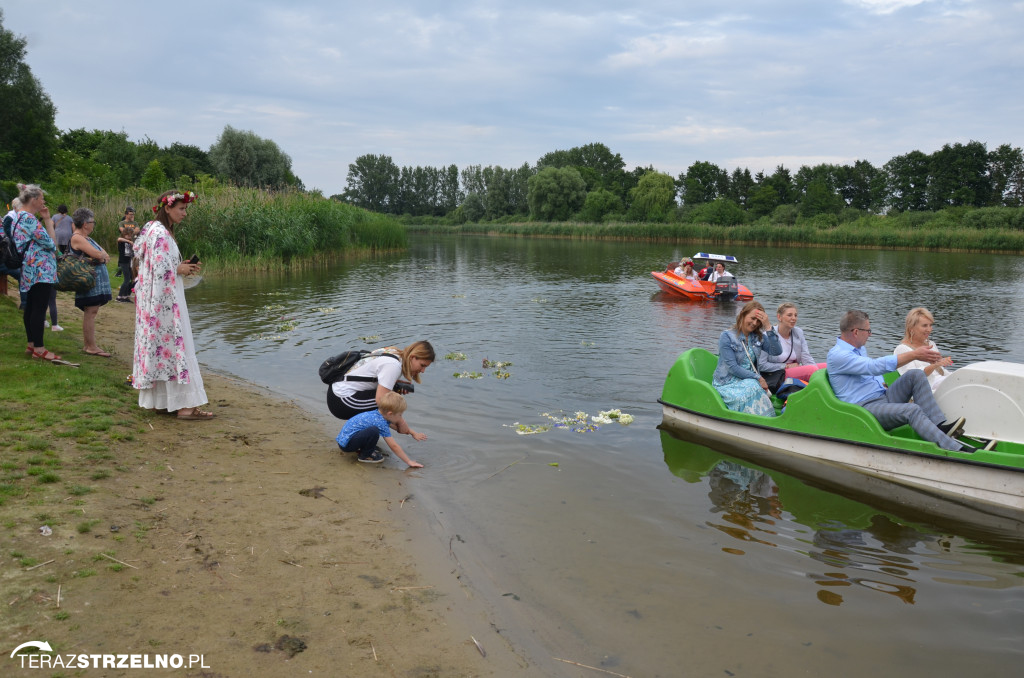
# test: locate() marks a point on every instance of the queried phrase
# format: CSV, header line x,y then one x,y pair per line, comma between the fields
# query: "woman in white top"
x,y
795,361
685,270
720,272
360,389
918,333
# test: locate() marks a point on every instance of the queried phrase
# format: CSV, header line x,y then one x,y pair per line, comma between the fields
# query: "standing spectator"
x,y
39,266
166,371
125,252
62,227
91,300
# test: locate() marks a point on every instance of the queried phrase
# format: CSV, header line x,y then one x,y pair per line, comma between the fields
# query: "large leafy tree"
x,y
703,182
556,193
28,134
372,183
959,176
249,160
653,198
907,181
599,167
1006,172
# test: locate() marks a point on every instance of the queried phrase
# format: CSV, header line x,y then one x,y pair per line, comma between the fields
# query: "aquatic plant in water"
x,y
455,356
324,309
496,364
467,375
528,429
370,339
608,416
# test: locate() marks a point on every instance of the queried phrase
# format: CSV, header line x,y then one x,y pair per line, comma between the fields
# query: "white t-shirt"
x,y
385,369
716,275
937,375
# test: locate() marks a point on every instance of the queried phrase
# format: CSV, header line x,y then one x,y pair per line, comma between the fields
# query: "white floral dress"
x,y
165,369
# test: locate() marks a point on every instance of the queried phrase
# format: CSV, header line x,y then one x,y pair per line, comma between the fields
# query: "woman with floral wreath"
x,y
166,371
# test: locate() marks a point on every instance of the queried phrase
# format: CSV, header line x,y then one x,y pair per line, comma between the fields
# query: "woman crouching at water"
x,y
166,371
376,374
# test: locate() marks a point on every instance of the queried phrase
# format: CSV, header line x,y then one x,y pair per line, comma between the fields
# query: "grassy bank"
x,y
989,229
242,228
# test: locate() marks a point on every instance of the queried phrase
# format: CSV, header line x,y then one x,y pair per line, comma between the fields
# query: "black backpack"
x,y
334,368
10,256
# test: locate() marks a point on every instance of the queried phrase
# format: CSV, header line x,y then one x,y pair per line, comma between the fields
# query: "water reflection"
x,y
854,547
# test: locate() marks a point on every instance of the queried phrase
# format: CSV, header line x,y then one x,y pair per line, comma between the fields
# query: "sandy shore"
x,y
251,541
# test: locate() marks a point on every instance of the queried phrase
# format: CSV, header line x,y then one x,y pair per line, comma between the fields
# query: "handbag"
x,y
75,274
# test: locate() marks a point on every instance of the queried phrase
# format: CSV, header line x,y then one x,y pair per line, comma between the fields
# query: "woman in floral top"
x,y
39,266
165,368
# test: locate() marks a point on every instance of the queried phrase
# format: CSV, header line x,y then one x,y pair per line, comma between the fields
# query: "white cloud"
x,y
502,83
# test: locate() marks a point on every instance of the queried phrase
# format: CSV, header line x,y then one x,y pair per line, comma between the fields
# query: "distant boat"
x,y
726,288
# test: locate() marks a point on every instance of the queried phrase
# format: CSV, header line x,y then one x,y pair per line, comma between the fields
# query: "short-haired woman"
x,y
165,369
84,221
736,378
36,240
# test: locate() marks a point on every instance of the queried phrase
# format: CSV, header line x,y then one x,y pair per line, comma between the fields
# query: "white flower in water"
x,y
625,419
601,419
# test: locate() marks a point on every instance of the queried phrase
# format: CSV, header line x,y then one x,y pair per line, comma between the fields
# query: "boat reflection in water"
x,y
852,543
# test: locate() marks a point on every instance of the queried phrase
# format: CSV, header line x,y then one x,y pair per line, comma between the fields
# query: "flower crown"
x,y
169,200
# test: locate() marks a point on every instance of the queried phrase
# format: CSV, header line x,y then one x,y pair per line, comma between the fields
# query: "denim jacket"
x,y
731,353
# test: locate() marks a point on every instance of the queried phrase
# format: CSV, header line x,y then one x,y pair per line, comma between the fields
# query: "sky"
x,y
739,83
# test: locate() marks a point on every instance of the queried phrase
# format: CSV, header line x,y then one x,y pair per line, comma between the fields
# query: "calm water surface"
x,y
624,547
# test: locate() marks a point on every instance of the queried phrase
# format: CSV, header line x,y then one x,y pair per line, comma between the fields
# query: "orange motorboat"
x,y
724,288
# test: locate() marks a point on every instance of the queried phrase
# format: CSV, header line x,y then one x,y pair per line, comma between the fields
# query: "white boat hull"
x,y
972,482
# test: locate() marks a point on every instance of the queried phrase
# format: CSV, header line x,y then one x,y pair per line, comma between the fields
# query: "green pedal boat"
x,y
815,425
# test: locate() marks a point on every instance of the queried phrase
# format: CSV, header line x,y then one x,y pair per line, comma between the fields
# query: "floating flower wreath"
x,y
169,200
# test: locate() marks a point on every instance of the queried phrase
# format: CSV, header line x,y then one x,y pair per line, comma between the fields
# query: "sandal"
x,y
29,350
196,415
43,354
100,353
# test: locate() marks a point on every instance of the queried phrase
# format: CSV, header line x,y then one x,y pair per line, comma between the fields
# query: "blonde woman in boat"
x,y
796,360
919,325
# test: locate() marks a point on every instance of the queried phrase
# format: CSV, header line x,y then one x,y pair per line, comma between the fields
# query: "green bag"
x,y
75,274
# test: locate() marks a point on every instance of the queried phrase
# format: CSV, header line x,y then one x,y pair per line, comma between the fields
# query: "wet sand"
x,y
249,540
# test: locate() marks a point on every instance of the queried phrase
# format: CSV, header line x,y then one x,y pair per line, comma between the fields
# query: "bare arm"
x,y
82,244
400,453
923,353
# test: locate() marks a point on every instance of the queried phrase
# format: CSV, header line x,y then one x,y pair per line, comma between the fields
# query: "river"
x,y
619,546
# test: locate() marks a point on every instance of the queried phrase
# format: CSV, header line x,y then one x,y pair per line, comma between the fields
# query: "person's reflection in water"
x,y
748,499
874,551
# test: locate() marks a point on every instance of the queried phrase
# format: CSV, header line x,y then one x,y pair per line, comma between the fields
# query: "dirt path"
x,y
248,540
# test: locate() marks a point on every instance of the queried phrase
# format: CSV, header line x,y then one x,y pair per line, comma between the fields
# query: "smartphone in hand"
x,y
194,259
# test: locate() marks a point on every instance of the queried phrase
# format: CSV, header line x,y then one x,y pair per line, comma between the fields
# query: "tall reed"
x,y
248,228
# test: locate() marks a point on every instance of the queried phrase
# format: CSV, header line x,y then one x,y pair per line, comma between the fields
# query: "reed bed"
x,y
234,228
987,229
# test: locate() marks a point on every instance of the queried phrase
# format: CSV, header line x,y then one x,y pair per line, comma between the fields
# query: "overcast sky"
x,y
741,83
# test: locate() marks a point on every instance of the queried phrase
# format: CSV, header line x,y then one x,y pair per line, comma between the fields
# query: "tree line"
x,y
33,150
590,183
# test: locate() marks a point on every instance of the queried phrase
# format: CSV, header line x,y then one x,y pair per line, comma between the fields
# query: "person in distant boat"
x,y
795,361
919,326
736,378
857,379
720,272
685,270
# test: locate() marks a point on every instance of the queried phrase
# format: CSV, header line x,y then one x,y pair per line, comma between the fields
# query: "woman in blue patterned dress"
x,y
39,266
89,302
736,377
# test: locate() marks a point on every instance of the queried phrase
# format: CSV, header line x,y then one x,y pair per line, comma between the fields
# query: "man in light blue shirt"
x,y
857,379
